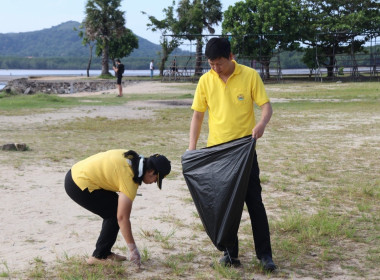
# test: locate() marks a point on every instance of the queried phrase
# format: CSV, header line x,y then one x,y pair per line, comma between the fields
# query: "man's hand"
x,y
266,114
258,130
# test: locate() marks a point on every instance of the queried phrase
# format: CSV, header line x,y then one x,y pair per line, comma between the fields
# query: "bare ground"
x,y
33,225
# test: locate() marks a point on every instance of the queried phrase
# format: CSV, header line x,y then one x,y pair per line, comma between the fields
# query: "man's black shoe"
x,y
268,264
226,261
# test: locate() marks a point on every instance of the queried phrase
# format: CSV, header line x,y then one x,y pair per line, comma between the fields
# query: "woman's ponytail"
x,y
135,160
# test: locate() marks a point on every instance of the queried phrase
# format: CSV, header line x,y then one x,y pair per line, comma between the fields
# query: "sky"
x,y
32,15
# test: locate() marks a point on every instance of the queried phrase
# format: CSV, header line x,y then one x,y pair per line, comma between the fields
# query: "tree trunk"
x,y
163,59
198,58
89,61
330,67
266,74
105,66
162,65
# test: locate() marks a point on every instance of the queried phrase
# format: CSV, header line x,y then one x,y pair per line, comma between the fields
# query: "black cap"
x,y
162,166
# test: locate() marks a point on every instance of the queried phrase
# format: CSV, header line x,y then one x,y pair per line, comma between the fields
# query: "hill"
x,y
60,44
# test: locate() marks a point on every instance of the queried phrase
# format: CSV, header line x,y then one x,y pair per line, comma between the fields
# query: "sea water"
x,y
37,72
7,74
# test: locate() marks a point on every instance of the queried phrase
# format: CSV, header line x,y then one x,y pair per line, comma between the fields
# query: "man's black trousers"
x,y
257,213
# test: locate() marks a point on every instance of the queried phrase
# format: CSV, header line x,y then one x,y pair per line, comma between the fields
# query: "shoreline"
x,y
6,79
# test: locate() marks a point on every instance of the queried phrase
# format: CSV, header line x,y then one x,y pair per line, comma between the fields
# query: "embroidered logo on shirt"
x,y
240,97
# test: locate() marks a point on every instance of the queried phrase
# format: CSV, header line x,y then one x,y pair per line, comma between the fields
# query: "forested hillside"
x,y
60,47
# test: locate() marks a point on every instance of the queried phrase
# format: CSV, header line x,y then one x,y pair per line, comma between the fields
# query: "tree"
x,y
338,26
193,18
86,41
258,27
309,59
103,22
167,27
120,47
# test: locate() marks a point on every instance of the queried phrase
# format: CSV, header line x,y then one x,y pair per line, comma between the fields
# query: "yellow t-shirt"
x,y
108,170
230,105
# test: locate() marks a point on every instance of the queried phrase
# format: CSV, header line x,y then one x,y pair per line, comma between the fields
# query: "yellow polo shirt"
x,y
107,170
230,105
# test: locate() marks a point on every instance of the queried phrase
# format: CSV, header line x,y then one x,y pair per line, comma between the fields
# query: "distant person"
x,y
119,70
151,67
106,184
174,65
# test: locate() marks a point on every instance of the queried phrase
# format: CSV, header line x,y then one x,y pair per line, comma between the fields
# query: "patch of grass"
x,y
4,271
188,199
107,134
145,255
164,238
28,104
172,219
179,264
146,233
328,91
76,268
37,101
312,229
224,272
38,269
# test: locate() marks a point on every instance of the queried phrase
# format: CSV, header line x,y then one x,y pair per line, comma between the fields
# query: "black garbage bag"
x,y
217,178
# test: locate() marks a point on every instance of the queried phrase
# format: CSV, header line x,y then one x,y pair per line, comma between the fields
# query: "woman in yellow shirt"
x,y
106,184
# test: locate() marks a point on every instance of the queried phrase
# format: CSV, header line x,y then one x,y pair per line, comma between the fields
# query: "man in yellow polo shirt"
x,y
229,91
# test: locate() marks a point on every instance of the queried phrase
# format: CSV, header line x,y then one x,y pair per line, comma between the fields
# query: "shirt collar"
x,y
237,68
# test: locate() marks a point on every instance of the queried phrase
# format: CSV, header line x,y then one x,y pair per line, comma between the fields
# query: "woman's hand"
x,y
124,208
134,254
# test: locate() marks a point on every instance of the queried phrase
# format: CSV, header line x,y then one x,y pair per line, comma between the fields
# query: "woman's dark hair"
x,y
135,159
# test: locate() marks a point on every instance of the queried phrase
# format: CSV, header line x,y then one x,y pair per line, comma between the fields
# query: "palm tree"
x,y
103,22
